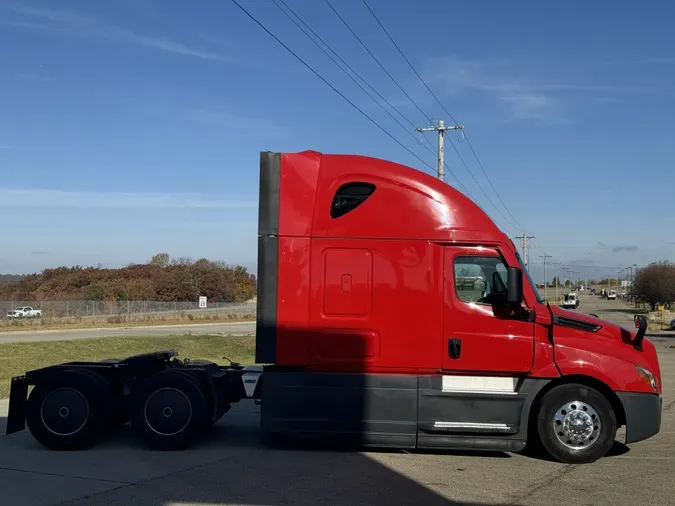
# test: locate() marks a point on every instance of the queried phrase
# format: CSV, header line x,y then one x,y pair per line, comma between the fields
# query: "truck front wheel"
x,y
169,410
576,424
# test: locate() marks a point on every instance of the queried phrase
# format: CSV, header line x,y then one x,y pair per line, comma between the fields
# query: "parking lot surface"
x,y
230,467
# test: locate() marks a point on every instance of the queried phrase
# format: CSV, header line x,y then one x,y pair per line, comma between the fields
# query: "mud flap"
x,y
16,418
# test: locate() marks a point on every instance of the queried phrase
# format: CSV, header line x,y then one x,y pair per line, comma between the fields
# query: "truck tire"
x,y
169,410
576,424
69,410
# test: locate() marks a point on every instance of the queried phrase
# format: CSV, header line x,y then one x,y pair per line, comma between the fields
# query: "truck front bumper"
x,y
643,415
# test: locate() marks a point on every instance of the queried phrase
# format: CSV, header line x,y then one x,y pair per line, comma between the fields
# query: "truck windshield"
x,y
540,299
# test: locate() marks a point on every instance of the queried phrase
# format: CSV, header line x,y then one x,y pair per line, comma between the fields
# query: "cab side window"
x,y
480,279
349,196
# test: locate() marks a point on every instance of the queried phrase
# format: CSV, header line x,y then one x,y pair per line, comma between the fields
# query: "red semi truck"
x,y
392,312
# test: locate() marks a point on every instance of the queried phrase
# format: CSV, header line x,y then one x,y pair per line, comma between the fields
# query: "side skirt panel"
x,y
396,411
465,412
353,409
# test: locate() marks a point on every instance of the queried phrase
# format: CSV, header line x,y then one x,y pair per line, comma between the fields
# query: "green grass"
x,y
17,358
119,321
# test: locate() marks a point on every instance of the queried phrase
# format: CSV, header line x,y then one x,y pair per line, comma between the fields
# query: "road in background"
x,y
234,328
614,311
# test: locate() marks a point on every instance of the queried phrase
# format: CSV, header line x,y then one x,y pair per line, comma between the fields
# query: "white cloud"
x,y
77,24
24,24
531,106
524,98
33,77
35,197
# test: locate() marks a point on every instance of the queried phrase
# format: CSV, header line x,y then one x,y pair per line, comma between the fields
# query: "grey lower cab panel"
x,y
354,409
479,411
392,411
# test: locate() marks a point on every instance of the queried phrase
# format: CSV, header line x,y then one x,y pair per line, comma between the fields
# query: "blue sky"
x,y
133,127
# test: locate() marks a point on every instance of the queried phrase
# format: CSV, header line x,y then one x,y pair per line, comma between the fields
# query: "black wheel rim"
x,y
168,411
64,412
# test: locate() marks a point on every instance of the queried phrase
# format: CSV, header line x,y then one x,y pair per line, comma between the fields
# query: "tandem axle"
x,y
168,401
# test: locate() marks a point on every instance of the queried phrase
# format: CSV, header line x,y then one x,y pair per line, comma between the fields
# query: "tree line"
x,y
162,278
655,284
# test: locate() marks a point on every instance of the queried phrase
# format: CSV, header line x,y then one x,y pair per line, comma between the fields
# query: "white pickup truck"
x,y
611,295
570,300
24,312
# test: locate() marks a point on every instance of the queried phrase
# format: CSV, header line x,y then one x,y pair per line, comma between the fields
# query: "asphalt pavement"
x,y
230,467
237,328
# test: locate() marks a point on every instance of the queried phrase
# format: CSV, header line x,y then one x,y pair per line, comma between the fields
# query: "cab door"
x,y
480,333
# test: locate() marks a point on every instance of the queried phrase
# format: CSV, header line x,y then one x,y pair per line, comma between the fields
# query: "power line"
x,y
480,164
418,107
253,18
376,60
363,44
299,18
459,183
452,118
411,123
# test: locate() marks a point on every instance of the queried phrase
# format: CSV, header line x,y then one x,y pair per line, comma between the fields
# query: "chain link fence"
x,y
136,310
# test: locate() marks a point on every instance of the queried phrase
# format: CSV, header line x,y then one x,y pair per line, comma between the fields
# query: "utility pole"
x,y
524,238
557,280
635,273
565,271
545,257
441,129
618,281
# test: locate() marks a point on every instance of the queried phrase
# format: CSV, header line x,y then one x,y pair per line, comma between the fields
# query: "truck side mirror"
x,y
514,289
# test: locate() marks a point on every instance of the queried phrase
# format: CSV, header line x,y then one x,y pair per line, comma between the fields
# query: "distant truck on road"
x,y
570,300
24,312
611,295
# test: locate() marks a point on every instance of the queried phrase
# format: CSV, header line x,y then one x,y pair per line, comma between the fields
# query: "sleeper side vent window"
x,y
349,196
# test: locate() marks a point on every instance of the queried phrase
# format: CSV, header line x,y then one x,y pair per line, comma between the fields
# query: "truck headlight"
x,y
647,376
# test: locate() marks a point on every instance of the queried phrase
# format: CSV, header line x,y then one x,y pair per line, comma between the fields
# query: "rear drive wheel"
x,y
69,411
169,410
576,424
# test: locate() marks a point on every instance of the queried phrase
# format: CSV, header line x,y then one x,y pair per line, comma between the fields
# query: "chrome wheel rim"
x,y
577,425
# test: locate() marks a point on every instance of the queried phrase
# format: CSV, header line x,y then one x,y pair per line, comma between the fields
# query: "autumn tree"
x,y
655,284
160,259
162,278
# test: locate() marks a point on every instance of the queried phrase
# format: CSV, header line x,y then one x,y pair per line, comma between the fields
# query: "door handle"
x,y
454,347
